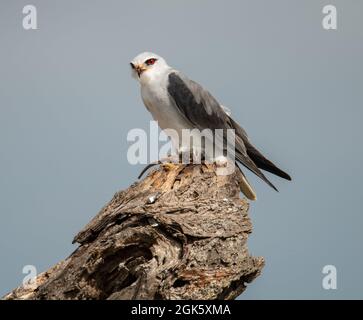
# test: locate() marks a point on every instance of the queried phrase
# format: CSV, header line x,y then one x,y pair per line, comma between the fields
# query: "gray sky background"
x,y
67,102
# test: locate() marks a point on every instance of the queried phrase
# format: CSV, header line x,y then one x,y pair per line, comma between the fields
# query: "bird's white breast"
x,y
154,92
156,99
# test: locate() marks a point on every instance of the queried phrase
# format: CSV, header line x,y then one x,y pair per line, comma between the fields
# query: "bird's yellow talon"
x,y
169,166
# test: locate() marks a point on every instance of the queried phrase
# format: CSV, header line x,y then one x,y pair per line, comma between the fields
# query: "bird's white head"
x,y
148,65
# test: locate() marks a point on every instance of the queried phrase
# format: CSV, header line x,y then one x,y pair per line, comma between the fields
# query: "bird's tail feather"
x,y
250,165
245,186
263,163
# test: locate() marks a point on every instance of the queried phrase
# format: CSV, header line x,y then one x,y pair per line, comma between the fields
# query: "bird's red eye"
x,y
150,62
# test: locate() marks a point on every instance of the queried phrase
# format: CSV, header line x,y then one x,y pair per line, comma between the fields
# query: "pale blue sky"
x,y
67,102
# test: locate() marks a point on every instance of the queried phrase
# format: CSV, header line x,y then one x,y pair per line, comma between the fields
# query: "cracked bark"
x,y
180,233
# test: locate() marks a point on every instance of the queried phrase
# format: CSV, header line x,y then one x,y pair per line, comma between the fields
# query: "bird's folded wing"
x,y
203,111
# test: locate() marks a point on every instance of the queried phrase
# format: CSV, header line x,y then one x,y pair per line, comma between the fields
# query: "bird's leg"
x,y
191,156
171,161
184,156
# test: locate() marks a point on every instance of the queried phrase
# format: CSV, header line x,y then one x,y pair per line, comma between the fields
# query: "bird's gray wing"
x,y
203,111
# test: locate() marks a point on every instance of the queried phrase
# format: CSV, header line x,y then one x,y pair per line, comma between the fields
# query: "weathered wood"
x,y
180,233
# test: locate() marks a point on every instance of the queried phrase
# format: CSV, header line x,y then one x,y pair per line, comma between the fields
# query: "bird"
x,y
178,103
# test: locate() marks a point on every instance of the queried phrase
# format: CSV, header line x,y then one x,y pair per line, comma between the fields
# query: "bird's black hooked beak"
x,y
138,68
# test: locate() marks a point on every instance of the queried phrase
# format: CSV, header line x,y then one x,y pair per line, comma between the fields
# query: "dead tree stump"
x,y
180,233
